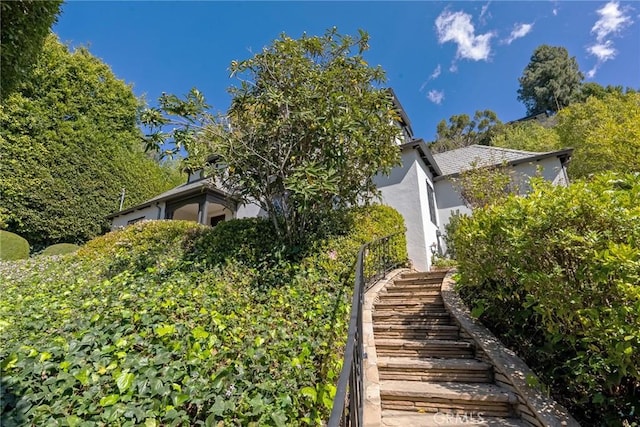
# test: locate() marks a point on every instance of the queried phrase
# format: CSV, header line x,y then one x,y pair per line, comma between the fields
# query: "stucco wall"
x,y
405,189
249,211
147,213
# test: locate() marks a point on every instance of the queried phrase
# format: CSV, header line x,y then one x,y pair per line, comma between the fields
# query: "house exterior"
x,y
197,200
421,188
551,166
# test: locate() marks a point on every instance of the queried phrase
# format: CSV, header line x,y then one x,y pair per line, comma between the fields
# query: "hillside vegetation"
x,y
70,144
556,275
172,323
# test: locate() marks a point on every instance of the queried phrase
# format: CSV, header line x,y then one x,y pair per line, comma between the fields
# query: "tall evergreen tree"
x,y
551,80
69,143
25,25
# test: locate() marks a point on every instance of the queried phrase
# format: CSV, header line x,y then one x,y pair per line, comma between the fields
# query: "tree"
x,y
594,89
25,25
482,186
527,136
462,131
605,133
551,80
307,129
70,143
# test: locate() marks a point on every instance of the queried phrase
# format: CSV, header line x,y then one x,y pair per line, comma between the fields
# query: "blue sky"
x,y
441,58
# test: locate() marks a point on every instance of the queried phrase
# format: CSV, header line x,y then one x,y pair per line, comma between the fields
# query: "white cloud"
x,y
436,96
519,31
603,51
454,67
436,73
457,27
483,12
555,11
612,20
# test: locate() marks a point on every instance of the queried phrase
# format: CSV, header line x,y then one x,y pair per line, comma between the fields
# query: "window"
x,y
215,220
431,199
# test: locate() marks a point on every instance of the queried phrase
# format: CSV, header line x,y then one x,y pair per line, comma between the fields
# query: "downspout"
x,y
159,210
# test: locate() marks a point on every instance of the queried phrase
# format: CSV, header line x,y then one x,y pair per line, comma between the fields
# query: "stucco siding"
x,y
405,189
249,210
148,213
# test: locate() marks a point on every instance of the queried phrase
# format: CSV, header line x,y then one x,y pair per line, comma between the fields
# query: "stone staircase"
x,y
430,375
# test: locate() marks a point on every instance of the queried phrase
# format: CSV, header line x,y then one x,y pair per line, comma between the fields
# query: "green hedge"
x,y
557,276
12,246
151,325
60,249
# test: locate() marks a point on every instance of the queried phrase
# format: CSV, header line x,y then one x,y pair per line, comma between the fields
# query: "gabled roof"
x,y
185,190
455,161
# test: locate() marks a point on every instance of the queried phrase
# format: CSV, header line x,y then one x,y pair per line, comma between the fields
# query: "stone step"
x,y
411,311
415,321
442,332
488,399
434,370
417,281
384,315
391,418
424,348
415,293
409,307
384,300
413,287
424,274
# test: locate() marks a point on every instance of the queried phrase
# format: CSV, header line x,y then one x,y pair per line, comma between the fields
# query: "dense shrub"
x,y
557,276
149,325
12,246
60,249
70,144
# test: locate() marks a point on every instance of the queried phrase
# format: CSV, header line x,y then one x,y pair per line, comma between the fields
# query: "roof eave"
x,y
183,195
425,155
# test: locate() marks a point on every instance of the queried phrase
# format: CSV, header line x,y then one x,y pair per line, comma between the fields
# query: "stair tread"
x,y
413,343
419,315
409,294
395,326
395,418
432,363
479,392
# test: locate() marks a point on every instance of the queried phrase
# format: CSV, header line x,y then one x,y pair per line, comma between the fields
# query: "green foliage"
x,y
462,131
556,275
605,133
70,144
551,80
590,89
527,136
482,186
12,246
307,130
148,325
60,249
25,26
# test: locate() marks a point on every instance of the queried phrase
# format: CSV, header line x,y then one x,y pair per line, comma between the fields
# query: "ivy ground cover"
x,y
171,323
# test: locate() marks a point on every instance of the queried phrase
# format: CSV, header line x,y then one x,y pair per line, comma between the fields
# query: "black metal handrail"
x,y
375,259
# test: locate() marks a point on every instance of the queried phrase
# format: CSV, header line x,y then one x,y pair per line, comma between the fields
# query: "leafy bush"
x,y
12,246
150,325
60,249
557,276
